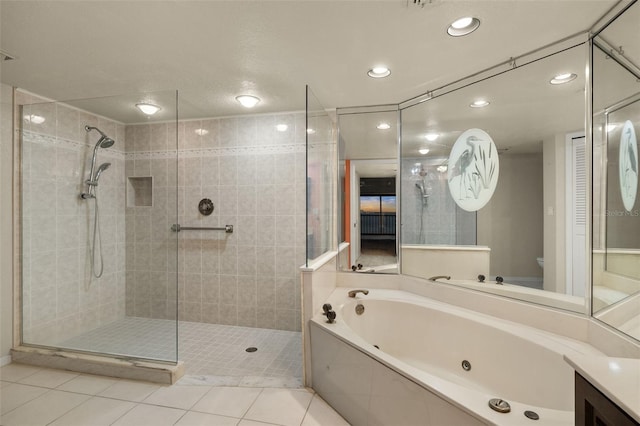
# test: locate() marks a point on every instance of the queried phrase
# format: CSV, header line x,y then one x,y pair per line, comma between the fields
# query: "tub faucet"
x,y
436,277
353,293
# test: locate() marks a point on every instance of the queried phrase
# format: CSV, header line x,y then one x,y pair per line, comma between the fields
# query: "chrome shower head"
x,y
105,141
102,168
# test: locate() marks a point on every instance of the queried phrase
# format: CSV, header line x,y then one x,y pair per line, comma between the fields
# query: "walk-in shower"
x,y
115,182
92,193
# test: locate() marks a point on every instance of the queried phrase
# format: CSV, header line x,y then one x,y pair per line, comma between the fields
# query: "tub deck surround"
x,y
617,378
426,341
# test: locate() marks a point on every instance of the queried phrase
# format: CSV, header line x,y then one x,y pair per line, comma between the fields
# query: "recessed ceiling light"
x,y
35,119
463,26
310,131
379,72
423,151
201,132
282,127
480,103
563,78
431,136
383,126
148,109
247,101
442,168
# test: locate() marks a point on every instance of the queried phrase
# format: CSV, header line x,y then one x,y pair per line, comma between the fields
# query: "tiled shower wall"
x,y
255,176
60,297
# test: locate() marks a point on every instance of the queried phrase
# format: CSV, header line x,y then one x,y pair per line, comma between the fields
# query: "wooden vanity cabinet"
x,y
592,408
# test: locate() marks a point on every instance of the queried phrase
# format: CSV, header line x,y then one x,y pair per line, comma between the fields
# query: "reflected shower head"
x,y
102,168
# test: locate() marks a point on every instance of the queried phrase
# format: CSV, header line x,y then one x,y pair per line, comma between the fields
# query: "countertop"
x,y
617,378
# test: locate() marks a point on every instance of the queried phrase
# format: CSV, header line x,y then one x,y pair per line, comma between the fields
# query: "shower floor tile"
x,y
206,349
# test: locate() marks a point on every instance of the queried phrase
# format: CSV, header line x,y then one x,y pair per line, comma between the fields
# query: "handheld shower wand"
x,y
92,183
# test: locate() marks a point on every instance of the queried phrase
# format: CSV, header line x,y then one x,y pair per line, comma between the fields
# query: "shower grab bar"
x,y
176,227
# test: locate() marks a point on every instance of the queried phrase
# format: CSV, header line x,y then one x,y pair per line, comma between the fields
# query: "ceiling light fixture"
x,y
431,136
34,119
201,132
442,168
310,131
248,101
147,108
423,151
383,126
282,127
463,26
480,103
379,72
563,78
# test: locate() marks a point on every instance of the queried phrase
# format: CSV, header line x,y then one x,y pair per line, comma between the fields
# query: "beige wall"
x,y
511,223
6,258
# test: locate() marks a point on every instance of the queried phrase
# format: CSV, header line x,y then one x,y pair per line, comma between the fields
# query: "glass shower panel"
x,y
321,178
98,197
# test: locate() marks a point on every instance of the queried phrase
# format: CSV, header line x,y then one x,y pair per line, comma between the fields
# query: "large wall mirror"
x,y
368,169
494,181
616,214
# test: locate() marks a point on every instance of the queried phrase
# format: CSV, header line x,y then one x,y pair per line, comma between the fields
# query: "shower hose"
x,y
96,234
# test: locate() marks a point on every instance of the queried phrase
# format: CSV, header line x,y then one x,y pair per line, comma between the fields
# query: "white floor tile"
x,y
150,415
320,413
245,422
280,406
44,409
129,390
14,372
90,385
193,418
177,396
96,411
15,395
232,402
48,378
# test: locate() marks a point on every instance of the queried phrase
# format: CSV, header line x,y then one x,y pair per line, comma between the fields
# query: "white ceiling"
x,y
211,51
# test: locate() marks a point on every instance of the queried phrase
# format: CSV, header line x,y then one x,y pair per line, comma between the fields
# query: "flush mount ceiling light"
x,y
383,126
463,26
563,78
423,151
147,108
34,119
379,72
201,132
480,103
248,101
431,136
282,127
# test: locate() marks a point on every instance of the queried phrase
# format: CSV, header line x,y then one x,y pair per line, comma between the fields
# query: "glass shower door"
x,y
98,197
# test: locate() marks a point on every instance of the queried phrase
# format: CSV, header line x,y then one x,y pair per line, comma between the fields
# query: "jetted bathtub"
x,y
409,360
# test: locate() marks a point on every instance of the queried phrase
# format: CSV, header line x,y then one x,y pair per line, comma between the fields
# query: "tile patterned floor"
x,y
206,349
38,396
